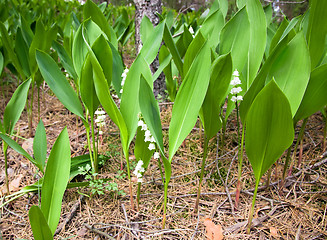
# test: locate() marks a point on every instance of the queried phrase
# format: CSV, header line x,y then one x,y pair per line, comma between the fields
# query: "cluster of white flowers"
x,y
123,75
100,119
139,170
147,135
191,31
236,90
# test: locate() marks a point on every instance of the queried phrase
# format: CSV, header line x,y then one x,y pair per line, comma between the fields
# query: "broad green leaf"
x,y
315,97
151,114
14,145
317,31
103,53
259,81
117,65
55,180
163,64
189,100
129,105
169,42
40,145
87,89
15,107
80,50
21,50
65,60
268,13
290,66
211,28
235,38
240,3
59,84
292,71
223,4
258,34
6,42
146,28
40,227
275,40
91,10
151,47
42,41
171,83
221,73
104,96
269,129
192,51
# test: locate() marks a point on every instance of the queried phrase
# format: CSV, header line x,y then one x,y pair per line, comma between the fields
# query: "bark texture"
x,y
149,8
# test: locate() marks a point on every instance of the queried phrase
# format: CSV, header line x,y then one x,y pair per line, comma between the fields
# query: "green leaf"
x,y
269,129
55,180
65,60
151,114
317,31
15,107
221,73
6,42
40,145
192,51
91,10
104,96
129,105
40,228
169,42
59,84
11,143
87,89
42,41
315,97
211,28
117,64
189,100
151,47
21,50
235,38
146,28
258,34
103,53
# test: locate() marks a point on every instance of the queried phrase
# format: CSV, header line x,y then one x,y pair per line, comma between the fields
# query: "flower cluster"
x,y
100,119
123,75
147,135
139,170
236,90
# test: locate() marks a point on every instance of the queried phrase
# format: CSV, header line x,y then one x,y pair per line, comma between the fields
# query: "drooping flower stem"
x,y
252,207
205,153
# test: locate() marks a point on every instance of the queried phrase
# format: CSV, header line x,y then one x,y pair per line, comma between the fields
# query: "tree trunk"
x,y
149,8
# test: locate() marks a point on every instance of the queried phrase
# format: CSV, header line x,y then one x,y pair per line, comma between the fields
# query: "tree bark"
x,y
149,8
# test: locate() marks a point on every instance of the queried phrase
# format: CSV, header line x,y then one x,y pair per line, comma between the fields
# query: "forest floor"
x,y
297,212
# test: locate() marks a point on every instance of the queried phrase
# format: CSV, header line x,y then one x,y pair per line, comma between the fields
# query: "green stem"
x,y
160,169
30,110
205,153
138,196
165,204
129,178
5,149
325,133
252,207
289,158
38,105
95,149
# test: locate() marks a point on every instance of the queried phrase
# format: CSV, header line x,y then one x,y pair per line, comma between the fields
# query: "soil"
x,y
296,212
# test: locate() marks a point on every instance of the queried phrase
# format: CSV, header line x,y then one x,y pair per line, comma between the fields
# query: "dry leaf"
x,y
273,232
213,231
28,145
13,185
